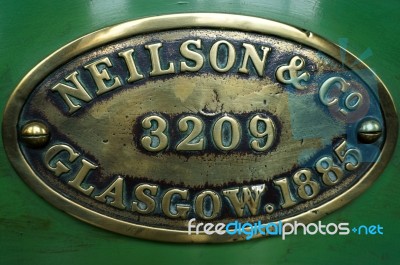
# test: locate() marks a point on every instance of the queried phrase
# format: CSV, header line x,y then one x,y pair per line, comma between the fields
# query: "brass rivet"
x,y
369,131
269,208
35,134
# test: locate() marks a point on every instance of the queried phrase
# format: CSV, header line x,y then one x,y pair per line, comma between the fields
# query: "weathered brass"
x,y
35,134
369,131
142,126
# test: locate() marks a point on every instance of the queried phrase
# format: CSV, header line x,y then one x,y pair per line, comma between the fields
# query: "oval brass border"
x,y
181,21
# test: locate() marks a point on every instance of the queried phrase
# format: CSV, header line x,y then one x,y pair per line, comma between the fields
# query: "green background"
x,y
34,232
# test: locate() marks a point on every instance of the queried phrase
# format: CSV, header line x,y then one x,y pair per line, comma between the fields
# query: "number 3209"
x,y
224,134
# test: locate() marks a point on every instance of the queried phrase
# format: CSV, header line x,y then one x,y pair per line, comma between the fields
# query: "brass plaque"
x,y
152,126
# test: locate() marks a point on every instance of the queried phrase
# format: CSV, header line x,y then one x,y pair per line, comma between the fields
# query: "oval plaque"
x,y
152,126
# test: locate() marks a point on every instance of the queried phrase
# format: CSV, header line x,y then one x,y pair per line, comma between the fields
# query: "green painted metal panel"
x,y
34,232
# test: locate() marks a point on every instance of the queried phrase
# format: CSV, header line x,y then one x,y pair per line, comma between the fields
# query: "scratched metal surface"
x,y
34,232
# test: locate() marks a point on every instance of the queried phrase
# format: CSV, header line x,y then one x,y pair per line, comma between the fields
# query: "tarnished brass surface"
x,y
142,126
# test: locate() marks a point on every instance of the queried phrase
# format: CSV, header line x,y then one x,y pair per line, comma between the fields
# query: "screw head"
x,y
35,134
369,131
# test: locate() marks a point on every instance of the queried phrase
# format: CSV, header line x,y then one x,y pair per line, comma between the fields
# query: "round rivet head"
x,y
369,131
269,208
35,134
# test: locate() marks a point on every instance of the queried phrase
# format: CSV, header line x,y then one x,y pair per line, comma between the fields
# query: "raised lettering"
x,y
181,210
258,63
77,92
100,76
155,61
133,72
80,177
215,49
59,167
215,205
191,55
146,199
114,192
245,198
